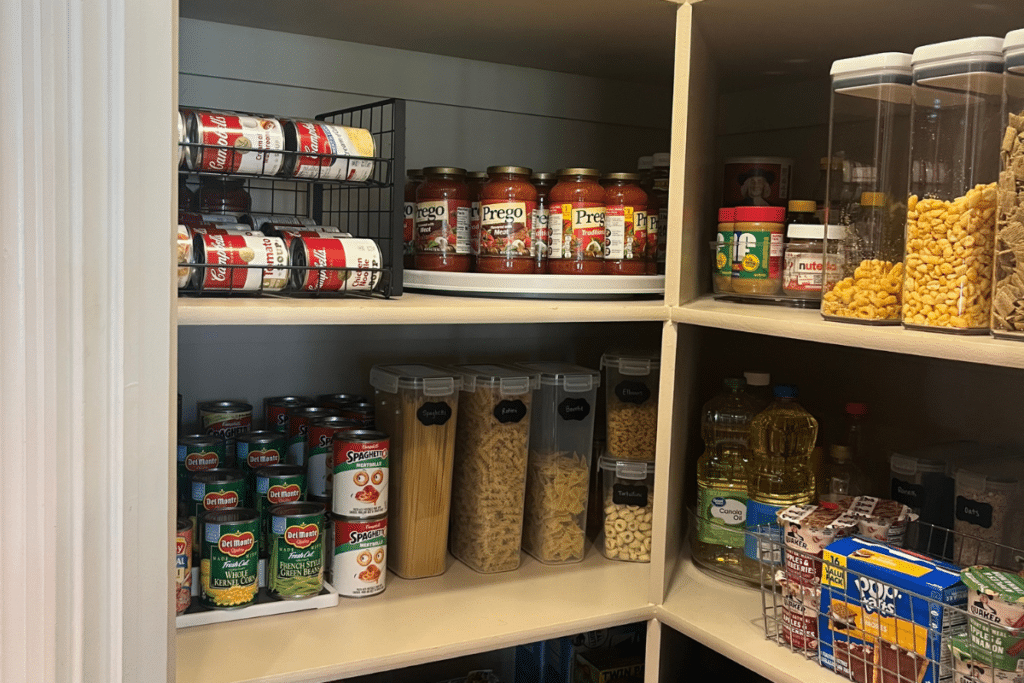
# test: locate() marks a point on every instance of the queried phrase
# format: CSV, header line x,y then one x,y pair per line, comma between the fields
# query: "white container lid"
x,y
508,380
757,379
880,64
634,365
911,465
627,469
645,163
661,159
1013,51
572,378
432,380
1000,470
976,51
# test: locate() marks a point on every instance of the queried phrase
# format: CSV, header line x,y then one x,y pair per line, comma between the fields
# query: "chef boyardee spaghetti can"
x,y
298,427
229,568
226,419
183,566
295,568
254,451
360,478
359,567
335,264
219,489
276,485
197,453
276,410
232,259
320,451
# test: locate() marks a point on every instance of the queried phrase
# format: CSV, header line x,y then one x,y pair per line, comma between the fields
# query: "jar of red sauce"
x,y
442,220
507,203
413,178
223,195
541,238
576,223
475,181
625,225
653,216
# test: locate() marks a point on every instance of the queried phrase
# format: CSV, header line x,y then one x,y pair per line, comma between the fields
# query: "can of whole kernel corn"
x,y
229,565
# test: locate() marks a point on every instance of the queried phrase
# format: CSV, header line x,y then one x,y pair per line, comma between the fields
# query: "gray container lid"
x,y
509,380
572,378
432,380
627,469
632,364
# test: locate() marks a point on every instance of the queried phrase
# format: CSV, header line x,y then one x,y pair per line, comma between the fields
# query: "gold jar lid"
x,y
517,170
542,177
589,172
443,170
476,175
802,205
628,177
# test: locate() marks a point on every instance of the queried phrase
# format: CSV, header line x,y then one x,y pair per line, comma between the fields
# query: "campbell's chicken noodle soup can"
x,y
260,220
320,451
329,152
299,418
231,259
218,489
360,473
275,485
335,264
275,410
186,256
226,419
197,453
362,413
229,564
359,566
295,563
231,143
183,566
256,450
289,235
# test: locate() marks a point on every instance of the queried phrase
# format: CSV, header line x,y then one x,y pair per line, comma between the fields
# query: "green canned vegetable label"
x,y
296,565
722,516
757,255
270,491
208,497
229,567
192,458
252,457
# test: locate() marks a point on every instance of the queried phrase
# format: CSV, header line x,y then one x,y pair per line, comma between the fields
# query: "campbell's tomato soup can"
x,y
197,453
326,151
359,566
275,485
299,418
256,450
259,220
335,264
186,256
320,451
361,412
360,473
229,565
226,419
295,565
183,566
290,234
275,410
232,260
231,143
218,489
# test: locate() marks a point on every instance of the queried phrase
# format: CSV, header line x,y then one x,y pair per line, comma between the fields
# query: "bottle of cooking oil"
x,y
782,437
722,478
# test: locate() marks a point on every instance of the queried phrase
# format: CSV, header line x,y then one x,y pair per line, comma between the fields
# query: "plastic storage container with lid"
x,y
492,443
988,511
757,249
628,509
417,406
950,222
541,237
558,471
625,225
576,223
1008,288
507,203
804,266
870,139
442,220
923,481
631,401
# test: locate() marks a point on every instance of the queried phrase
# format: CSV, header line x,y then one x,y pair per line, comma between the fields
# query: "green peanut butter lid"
x,y
995,583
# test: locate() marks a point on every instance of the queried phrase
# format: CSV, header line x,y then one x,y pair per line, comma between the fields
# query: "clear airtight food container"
x,y
869,134
631,401
558,470
417,406
988,513
951,207
492,443
628,509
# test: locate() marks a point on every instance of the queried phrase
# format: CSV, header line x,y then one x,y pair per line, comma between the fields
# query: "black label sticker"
x,y
509,411
909,494
627,494
434,413
574,409
973,512
629,391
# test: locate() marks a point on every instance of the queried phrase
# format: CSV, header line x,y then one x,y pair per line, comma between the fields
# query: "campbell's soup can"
x,y
185,256
183,566
232,143
225,229
256,450
295,563
226,419
229,565
289,235
197,453
320,451
275,485
335,264
325,151
360,476
193,218
363,413
359,566
275,410
299,418
219,489
339,400
233,262
259,220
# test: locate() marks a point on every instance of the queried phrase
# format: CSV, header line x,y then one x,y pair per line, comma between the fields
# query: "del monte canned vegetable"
x,y
275,485
228,571
296,564
197,453
218,489
256,450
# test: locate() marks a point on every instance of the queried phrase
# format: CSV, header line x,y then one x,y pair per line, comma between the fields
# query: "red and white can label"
x,y
289,234
320,457
359,568
577,231
327,150
185,256
183,567
337,264
243,144
360,478
243,250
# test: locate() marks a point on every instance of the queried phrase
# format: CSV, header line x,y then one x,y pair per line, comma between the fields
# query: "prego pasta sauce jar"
x,y
442,220
507,203
625,224
576,223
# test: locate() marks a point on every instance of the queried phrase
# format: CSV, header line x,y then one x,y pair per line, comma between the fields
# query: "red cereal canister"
x,y
183,565
231,143
443,210
413,178
507,203
324,151
577,223
625,225
541,237
360,465
275,410
335,264
299,418
359,567
320,451
229,258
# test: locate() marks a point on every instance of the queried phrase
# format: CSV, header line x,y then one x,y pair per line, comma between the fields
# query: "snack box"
x,y
885,614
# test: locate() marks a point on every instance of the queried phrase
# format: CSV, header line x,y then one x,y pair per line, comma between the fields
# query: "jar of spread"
x,y
805,259
507,203
723,250
659,189
475,181
625,225
223,195
442,220
541,238
802,212
757,249
576,223
413,178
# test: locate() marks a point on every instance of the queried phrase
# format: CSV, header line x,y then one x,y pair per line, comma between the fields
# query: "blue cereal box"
x,y
885,613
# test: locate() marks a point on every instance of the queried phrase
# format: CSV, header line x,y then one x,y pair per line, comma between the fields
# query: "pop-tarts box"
x,y
884,613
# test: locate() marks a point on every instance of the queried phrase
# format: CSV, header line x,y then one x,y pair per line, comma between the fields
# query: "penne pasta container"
x,y
417,406
558,469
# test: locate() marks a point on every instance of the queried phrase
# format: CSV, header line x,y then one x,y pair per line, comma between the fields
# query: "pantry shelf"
x,y
460,612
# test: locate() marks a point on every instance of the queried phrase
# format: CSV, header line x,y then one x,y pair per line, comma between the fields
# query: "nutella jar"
x,y
475,181
442,220
507,203
414,176
541,237
625,225
576,223
223,195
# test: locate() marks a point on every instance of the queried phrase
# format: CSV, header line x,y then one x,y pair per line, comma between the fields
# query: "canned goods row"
x,y
233,143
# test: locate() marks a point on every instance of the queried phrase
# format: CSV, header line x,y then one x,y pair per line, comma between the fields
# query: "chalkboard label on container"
x,y
434,413
973,512
628,391
628,494
510,411
909,494
574,409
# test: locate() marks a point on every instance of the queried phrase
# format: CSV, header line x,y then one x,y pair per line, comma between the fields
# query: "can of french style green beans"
x,y
298,424
360,473
320,451
229,566
197,453
276,485
183,566
276,410
226,419
254,451
359,567
295,567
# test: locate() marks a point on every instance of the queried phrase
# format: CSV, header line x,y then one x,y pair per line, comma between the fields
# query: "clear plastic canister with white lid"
x,y
628,504
631,403
923,481
951,205
988,513
869,134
